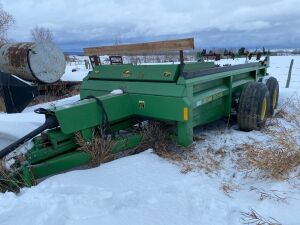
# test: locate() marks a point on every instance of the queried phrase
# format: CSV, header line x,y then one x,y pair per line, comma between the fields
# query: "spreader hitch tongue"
x,y
50,123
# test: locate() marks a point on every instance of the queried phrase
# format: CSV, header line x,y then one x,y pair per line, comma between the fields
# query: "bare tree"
x,y
41,34
6,21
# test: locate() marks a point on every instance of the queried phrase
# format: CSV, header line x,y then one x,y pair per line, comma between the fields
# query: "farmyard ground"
x,y
147,189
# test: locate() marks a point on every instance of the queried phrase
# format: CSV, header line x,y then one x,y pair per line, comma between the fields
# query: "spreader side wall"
x,y
211,96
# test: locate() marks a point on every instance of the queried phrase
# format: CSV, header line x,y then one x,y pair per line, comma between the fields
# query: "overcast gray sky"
x,y
214,23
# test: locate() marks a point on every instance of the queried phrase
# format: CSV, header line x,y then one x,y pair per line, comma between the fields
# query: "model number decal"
x,y
209,99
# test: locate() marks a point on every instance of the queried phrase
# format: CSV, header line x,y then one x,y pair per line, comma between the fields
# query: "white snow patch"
x,y
117,92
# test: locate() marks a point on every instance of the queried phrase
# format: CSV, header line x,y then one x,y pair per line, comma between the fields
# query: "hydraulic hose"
x,y
50,123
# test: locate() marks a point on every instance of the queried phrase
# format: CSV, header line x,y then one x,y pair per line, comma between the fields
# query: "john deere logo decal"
x,y
167,74
126,73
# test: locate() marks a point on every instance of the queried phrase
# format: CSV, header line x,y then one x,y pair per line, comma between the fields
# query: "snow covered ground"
x,y
147,189
79,69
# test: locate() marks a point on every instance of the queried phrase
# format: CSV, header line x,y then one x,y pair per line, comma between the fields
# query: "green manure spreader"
x,y
116,97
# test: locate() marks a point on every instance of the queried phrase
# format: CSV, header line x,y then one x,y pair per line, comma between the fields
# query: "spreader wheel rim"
x,y
263,109
274,99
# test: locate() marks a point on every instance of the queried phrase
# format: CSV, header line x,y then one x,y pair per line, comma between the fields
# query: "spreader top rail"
x,y
215,70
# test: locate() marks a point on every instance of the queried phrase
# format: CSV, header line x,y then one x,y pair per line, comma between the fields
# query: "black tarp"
x,y
16,93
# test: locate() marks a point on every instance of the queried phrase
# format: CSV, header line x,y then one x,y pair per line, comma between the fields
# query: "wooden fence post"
x,y
290,74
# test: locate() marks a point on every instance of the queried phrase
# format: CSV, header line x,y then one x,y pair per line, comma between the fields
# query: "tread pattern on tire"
x,y
250,106
272,85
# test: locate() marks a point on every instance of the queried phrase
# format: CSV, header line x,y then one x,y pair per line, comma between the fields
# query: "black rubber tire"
x,y
251,106
273,87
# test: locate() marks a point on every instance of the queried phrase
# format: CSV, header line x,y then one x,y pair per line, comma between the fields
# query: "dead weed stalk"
x,y
99,148
270,194
156,136
253,217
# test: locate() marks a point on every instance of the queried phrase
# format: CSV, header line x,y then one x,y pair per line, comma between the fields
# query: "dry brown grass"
x,y
9,183
205,160
228,188
54,94
276,163
199,137
155,136
253,217
50,95
100,147
290,112
280,155
186,168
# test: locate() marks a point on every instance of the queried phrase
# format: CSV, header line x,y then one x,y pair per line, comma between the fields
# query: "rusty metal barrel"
x,y
41,62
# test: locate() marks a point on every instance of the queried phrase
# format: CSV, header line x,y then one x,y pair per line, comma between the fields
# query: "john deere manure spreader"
x,y
114,97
